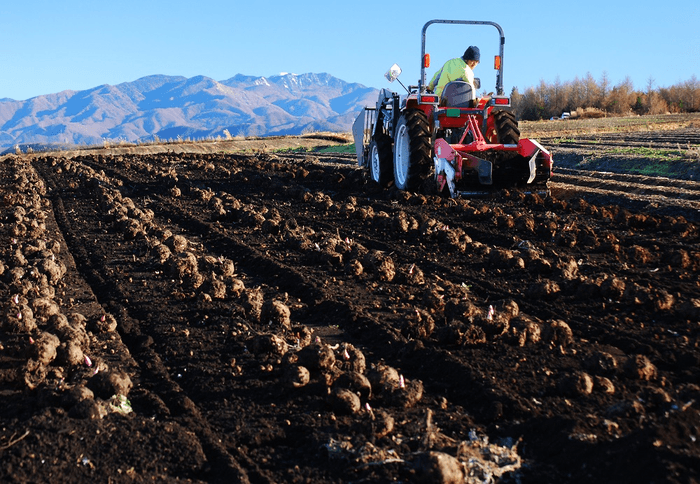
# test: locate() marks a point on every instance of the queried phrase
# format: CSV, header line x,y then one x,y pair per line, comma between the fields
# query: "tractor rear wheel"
x,y
506,128
380,168
411,150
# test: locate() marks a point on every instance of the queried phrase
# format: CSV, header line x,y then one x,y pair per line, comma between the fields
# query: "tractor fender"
x,y
532,151
529,147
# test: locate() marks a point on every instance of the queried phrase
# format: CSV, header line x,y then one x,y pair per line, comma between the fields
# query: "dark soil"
x,y
278,318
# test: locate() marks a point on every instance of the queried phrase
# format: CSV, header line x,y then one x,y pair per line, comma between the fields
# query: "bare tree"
x,y
604,89
558,97
527,105
621,97
692,88
516,100
591,92
576,94
650,92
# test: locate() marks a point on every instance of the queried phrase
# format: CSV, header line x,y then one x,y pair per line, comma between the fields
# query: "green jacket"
x,y
454,70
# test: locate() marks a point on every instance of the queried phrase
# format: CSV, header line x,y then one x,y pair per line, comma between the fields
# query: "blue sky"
x,y
51,46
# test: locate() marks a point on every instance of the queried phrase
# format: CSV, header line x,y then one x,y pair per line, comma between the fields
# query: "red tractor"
x,y
470,146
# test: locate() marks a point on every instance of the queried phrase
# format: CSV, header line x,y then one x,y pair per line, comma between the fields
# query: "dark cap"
x,y
472,53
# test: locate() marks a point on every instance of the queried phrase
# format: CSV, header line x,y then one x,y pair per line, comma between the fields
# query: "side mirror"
x,y
393,73
477,83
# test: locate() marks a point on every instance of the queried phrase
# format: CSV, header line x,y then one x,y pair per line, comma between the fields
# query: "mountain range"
x,y
168,107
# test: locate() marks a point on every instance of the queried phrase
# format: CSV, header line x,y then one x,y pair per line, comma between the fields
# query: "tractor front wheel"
x,y
411,150
380,168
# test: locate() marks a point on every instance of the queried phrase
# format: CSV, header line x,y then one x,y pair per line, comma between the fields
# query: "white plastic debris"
x,y
490,314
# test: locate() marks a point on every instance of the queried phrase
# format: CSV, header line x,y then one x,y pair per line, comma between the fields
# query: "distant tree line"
x,y
591,98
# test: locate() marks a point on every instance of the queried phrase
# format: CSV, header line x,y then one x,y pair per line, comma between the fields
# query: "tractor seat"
x,y
457,94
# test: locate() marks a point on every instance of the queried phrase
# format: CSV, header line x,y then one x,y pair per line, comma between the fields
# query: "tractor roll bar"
x,y
499,76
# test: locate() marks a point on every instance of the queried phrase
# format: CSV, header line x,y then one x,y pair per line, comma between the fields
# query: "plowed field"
x,y
260,317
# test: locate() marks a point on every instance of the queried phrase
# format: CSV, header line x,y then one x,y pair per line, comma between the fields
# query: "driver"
x,y
457,69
